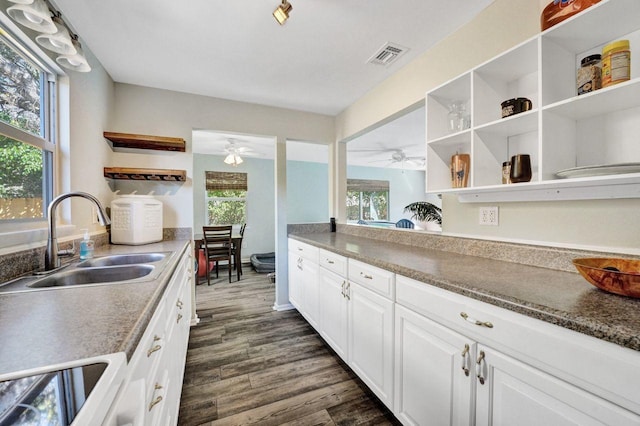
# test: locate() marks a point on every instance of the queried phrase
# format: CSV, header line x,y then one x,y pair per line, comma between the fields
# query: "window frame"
x,y
47,140
368,186
207,198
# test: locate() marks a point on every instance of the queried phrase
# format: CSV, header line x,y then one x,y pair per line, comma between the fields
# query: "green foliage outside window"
x,y
364,205
226,207
21,164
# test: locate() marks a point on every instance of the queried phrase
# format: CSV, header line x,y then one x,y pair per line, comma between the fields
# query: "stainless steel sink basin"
x,y
123,259
83,276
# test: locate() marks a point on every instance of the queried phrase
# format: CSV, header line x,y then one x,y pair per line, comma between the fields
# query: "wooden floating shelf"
x,y
164,175
160,143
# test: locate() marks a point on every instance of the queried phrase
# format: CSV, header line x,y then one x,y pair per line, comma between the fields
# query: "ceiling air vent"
x,y
387,54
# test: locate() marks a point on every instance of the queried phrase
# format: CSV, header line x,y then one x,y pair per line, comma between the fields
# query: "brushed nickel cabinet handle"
x,y
330,262
475,321
466,356
179,304
366,276
344,283
179,318
479,368
158,399
348,290
156,348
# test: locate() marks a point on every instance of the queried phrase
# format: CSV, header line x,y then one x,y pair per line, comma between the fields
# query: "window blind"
x,y
220,181
366,185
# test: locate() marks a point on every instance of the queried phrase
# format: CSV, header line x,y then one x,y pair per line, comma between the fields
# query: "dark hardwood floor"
x,y
248,364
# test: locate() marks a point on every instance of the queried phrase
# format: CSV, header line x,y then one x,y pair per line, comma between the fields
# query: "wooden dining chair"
x,y
217,247
236,249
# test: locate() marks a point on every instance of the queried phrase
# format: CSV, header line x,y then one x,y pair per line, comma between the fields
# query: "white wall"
x,y
161,112
610,225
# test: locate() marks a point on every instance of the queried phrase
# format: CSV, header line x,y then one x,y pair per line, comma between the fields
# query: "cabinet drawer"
x,y
304,250
151,347
333,262
372,277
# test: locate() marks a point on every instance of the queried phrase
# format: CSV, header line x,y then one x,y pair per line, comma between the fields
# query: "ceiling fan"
x,y
234,152
397,155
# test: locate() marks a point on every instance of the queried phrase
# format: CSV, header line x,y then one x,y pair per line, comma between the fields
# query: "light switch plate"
x,y
489,216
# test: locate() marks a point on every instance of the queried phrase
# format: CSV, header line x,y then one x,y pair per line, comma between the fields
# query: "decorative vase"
x,y
460,166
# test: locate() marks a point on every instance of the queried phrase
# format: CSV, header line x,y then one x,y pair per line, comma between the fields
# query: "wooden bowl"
x,y
619,276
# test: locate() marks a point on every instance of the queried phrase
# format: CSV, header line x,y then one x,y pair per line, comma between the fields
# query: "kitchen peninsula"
x,y
522,328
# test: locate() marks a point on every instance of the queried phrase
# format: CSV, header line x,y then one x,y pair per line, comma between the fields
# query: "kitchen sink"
x,y
123,259
96,275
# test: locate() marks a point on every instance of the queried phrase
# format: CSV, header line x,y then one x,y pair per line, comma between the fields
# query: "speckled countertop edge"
x,y
40,328
557,297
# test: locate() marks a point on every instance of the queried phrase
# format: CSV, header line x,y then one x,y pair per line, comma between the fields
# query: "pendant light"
x,y
75,62
58,42
35,16
282,12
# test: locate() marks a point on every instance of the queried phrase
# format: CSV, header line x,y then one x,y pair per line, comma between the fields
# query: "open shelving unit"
x,y
145,174
145,142
563,131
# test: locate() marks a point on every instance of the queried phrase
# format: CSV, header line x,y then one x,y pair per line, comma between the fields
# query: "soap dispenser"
x,y
86,246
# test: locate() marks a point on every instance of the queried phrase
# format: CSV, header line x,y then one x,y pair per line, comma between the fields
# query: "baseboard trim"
x,y
285,307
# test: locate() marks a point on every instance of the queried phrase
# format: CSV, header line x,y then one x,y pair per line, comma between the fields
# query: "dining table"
x,y
236,242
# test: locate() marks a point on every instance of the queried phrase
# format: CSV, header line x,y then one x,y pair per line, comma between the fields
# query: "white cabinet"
x,y
153,385
561,132
521,371
334,312
303,280
371,340
434,374
515,393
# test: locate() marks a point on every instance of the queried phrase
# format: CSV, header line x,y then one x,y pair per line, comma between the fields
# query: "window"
x,y
226,198
367,199
26,133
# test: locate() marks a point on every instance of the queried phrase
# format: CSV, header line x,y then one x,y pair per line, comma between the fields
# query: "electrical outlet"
x,y
489,216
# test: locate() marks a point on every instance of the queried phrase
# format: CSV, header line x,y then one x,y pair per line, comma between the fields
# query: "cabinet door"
x,y
296,295
434,375
516,393
310,282
334,308
371,340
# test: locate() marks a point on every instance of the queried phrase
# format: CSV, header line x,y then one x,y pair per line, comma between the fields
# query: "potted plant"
x,y
429,214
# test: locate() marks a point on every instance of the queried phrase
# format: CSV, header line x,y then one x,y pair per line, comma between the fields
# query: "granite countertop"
x,y
51,326
562,298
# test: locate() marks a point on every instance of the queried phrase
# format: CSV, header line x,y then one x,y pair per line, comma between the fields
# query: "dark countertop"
x,y
562,298
51,326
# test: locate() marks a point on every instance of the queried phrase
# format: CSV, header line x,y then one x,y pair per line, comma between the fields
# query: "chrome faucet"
x,y
51,260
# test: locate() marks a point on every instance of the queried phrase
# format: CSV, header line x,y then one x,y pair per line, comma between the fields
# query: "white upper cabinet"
x,y
561,132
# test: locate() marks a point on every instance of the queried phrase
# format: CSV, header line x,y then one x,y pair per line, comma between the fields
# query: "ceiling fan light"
x,y
58,42
233,160
35,16
282,12
75,62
